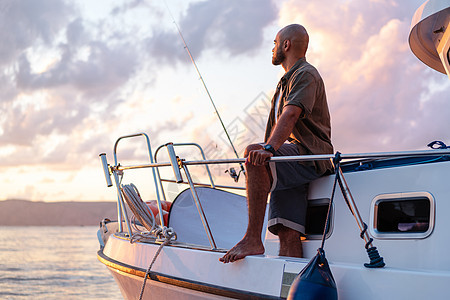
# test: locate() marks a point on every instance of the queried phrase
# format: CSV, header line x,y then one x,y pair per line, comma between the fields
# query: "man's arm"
x,y
279,135
284,126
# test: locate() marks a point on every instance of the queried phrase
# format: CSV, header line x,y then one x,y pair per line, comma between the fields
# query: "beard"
x,y
278,57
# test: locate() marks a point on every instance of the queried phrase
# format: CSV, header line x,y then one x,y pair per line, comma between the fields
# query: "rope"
x,y
438,145
376,261
162,233
363,232
327,221
138,207
140,210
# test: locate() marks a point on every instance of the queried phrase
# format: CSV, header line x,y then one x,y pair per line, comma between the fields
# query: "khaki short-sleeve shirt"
x,y
303,86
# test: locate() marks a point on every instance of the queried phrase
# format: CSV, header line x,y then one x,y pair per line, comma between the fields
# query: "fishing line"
x,y
207,92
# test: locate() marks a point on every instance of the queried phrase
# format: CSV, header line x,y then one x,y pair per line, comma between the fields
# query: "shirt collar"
x,y
289,73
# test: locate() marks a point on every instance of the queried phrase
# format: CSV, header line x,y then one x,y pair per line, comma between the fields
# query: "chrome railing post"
x,y
200,208
158,199
348,197
121,211
173,145
106,169
174,162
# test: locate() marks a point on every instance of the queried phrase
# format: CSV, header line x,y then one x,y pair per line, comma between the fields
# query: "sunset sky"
x,y
76,75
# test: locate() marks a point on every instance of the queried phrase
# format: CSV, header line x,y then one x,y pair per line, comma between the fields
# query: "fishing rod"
x,y
231,171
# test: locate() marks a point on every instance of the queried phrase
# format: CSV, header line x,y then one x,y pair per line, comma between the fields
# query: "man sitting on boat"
x,y
298,124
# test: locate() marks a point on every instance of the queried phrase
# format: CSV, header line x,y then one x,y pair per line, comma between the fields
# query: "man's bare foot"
x,y
242,249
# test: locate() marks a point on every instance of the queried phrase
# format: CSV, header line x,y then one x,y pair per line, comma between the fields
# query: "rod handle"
x,y
106,169
174,162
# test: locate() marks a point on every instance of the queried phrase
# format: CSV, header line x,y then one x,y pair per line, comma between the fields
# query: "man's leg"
x,y
288,202
290,242
258,187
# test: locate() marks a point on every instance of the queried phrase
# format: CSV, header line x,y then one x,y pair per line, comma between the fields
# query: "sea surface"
x,y
53,263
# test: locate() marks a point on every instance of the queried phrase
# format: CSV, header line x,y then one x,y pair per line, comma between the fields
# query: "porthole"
x,y
402,215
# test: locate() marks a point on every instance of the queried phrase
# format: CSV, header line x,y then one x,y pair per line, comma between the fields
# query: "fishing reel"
x,y
233,174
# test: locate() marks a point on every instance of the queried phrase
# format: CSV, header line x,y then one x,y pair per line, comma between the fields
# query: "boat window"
x,y
403,215
316,215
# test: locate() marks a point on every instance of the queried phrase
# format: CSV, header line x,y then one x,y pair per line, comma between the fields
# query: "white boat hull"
x,y
262,277
416,268
131,285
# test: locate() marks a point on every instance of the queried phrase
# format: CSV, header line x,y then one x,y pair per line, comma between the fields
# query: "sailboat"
x,y
386,235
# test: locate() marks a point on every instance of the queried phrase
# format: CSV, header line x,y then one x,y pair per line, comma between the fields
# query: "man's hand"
x,y
258,157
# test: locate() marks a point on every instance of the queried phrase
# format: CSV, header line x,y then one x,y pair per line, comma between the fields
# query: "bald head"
x,y
298,36
290,45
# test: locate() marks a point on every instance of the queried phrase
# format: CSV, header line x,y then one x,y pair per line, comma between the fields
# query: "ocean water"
x,y
53,263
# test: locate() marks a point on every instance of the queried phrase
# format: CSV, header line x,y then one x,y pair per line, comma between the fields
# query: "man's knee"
x,y
251,147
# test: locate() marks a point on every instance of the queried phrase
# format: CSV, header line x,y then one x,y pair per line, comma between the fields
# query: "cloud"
x,y
229,27
80,68
375,86
103,69
60,72
24,23
39,20
127,6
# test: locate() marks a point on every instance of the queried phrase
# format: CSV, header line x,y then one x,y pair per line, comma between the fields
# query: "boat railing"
x,y
353,156
115,170
170,148
177,164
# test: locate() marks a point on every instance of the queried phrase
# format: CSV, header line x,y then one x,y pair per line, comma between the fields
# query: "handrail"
x,y
200,208
205,184
416,153
116,168
171,153
189,144
176,164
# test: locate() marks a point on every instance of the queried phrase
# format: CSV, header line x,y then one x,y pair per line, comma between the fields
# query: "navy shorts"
x,y
288,197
